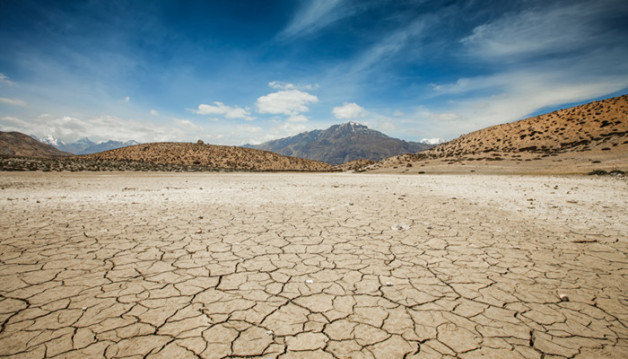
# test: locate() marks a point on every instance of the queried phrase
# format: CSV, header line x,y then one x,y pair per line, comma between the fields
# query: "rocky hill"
x,y
342,143
207,156
16,144
585,136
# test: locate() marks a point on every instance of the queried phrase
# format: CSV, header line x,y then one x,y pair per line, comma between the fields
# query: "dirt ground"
x,y
312,266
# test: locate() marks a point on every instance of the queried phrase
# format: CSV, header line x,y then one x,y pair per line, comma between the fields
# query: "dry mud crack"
x,y
312,266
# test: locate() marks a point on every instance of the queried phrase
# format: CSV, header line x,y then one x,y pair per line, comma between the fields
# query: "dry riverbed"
x,y
312,266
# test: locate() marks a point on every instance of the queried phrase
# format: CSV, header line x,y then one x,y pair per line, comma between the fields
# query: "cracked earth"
x,y
312,266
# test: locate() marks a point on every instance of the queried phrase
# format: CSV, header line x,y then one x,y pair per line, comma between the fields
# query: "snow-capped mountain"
x,y
84,146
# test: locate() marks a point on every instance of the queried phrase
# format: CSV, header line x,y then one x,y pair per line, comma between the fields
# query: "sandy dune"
x,y
312,266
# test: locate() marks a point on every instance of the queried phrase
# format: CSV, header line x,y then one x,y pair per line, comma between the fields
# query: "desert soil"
x,y
312,266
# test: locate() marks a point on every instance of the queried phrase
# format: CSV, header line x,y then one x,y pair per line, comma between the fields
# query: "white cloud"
x,y
11,101
218,108
348,111
154,112
127,99
290,102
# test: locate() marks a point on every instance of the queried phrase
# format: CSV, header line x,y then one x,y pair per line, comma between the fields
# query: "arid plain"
x,y
312,266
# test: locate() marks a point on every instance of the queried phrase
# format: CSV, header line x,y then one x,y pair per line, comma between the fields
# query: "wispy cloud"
x,y
314,16
12,101
555,29
4,80
390,46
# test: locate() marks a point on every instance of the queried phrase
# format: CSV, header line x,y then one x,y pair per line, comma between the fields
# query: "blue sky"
x,y
236,72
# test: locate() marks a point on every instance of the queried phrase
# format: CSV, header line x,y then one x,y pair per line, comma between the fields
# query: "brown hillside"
x,y
16,144
573,140
219,157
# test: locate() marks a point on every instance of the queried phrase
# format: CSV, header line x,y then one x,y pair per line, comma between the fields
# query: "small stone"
x,y
309,281
400,227
563,298
389,284
84,308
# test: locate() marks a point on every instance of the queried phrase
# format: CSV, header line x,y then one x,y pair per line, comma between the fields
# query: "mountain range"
x,y
342,143
84,146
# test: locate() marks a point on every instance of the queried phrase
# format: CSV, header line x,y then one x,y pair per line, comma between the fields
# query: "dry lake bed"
x,y
283,265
